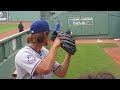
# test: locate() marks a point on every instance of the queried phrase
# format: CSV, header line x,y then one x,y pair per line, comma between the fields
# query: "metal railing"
x,y
10,44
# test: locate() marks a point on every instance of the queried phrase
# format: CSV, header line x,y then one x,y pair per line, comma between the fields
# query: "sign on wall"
x,y
75,21
3,15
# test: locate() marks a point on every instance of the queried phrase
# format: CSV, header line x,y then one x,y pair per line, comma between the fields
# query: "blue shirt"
x,y
58,27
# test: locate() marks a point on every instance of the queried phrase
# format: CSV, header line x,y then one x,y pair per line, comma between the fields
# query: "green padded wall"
x,y
101,24
106,24
7,67
93,29
114,26
24,15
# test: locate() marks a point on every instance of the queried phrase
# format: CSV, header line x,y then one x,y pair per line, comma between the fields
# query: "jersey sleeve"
x,y
28,62
56,66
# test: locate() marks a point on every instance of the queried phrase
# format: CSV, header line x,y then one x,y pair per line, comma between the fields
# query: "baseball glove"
x,y
54,35
67,42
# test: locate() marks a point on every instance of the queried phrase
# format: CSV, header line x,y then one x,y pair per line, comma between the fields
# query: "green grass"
x,y
89,58
8,27
104,45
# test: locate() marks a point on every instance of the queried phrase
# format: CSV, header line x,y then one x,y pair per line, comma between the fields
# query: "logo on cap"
x,y
32,31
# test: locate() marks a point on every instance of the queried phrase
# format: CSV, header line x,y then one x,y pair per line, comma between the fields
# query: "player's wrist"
x,y
56,43
69,55
55,46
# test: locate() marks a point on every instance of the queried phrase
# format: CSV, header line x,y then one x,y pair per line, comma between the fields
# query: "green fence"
x,y
83,24
8,48
24,15
90,24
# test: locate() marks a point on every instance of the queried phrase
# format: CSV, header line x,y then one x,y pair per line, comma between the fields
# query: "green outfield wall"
x,y
89,24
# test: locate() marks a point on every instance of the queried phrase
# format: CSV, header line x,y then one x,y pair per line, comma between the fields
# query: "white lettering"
x,y
2,19
80,21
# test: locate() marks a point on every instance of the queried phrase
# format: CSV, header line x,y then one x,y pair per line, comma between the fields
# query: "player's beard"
x,y
46,36
45,43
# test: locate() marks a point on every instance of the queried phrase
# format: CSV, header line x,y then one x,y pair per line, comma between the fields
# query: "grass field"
x,y
8,27
89,58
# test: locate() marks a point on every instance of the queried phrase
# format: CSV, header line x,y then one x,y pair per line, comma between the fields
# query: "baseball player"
x,y
34,61
20,27
58,25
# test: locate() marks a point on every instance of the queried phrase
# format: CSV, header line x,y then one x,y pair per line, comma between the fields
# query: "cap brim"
x,y
52,30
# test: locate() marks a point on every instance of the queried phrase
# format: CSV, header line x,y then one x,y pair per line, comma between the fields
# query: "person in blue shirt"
x,y
58,25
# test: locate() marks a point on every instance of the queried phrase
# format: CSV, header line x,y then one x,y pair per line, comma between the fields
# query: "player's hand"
x,y
56,42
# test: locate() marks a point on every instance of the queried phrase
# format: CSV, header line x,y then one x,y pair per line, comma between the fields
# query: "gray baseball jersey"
x,y
26,61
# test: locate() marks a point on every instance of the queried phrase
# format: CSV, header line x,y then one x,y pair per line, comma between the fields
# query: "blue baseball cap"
x,y
39,26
